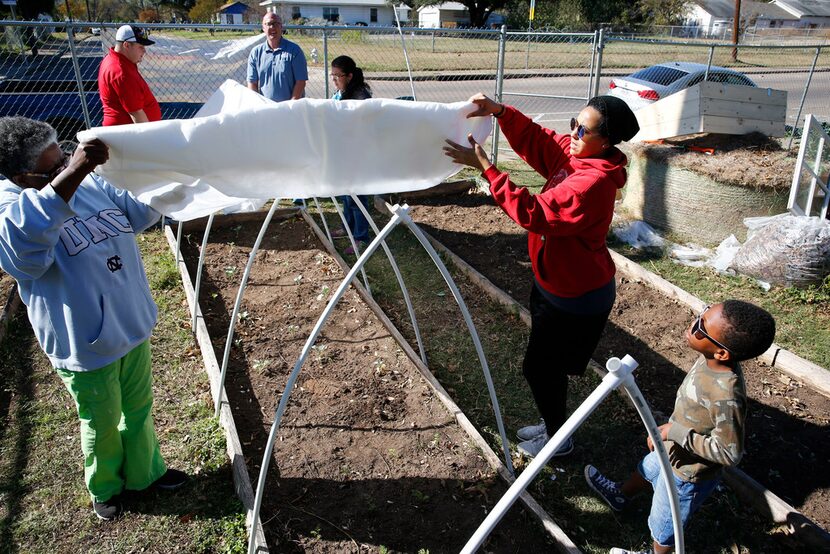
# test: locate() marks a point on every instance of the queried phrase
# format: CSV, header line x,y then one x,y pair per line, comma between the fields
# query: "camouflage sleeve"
x,y
724,445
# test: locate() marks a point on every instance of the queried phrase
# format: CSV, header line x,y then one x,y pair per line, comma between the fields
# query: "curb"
x,y
750,491
491,76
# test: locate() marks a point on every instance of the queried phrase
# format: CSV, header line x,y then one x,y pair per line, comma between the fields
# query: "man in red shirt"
x,y
124,92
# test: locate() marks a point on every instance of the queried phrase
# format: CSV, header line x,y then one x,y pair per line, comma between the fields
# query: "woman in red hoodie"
x,y
567,221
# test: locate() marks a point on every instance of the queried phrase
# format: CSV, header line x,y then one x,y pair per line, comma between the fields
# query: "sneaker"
x,y
108,510
350,250
607,489
171,480
339,233
616,550
532,431
298,202
532,447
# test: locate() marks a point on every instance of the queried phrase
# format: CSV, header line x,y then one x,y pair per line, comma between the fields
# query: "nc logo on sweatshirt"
x,y
79,234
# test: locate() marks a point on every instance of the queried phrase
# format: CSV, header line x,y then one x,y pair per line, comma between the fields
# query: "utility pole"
x,y
736,29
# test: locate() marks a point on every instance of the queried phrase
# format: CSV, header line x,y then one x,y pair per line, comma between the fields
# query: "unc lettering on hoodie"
x,y
78,234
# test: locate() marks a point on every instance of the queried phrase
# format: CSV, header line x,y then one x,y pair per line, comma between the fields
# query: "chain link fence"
x,y
48,71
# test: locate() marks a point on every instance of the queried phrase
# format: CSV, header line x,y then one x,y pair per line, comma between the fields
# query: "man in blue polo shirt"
x,y
277,69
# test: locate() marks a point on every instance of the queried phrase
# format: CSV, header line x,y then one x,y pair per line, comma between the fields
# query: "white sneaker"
x,y
532,447
616,550
532,431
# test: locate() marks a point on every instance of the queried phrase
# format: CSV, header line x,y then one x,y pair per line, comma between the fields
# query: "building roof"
x,y
329,3
725,9
801,8
233,7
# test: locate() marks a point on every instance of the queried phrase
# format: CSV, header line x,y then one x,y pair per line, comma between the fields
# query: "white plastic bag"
x,y
786,250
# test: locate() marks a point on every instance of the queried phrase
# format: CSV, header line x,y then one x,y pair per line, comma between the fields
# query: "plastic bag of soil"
x,y
785,250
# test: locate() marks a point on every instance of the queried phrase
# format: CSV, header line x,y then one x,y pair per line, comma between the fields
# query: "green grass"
x,y
44,505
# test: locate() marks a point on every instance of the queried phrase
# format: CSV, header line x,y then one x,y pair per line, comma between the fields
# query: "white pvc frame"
x,y
620,373
400,214
817,182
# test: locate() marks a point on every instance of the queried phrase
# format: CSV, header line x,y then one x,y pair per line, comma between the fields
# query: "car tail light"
x,y
648,94
612,85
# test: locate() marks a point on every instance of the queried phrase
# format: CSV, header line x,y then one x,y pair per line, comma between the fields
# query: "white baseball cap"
x,y
128,33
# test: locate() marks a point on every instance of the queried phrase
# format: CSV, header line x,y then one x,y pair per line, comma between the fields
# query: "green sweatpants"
x,y
121,450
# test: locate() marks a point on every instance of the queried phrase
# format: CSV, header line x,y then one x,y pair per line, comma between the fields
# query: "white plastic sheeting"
x,y
298,149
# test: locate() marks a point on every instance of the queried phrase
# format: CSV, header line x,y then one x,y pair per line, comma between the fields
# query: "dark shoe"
x,y
171,480
361,244
298,202
607,489
108,510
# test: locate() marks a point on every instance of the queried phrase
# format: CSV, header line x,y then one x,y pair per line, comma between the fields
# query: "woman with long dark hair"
x,y
350,85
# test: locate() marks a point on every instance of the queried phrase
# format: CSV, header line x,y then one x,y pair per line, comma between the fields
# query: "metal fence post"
x,y
709,62
70,35
433,42
494,146
600,46
326,60
593,65
804,96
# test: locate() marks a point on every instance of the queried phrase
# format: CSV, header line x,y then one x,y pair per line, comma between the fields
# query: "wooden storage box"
x,y
714,108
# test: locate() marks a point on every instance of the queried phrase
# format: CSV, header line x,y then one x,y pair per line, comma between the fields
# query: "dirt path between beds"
x,y
787,425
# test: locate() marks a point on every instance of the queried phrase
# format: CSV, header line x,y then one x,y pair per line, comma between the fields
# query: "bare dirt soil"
x,y
787,425
6,284
367,457
753,160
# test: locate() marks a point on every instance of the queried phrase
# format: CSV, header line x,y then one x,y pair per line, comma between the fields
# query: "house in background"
x,y
441,16
233,13
810,13
339,12
713,18
452,14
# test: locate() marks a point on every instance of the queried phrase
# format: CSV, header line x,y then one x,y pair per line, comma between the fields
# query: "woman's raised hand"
x,y
475,156
88,155
484,106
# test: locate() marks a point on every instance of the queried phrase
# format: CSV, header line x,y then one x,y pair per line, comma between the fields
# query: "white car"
x,y
651,84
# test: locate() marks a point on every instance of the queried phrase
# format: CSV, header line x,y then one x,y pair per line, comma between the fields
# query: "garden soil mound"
x,y
787,424
367,457
753,160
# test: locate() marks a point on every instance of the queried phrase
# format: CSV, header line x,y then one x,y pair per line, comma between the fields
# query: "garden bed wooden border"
x,y
241,477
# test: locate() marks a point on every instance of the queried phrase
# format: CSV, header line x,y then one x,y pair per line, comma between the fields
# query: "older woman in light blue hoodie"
x,y
68,238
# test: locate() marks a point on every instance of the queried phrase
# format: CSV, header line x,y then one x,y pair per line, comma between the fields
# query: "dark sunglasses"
x,y
54,172
700,333
580,129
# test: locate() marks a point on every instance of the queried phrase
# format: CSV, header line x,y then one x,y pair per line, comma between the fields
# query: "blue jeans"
x,y
354,217
691,496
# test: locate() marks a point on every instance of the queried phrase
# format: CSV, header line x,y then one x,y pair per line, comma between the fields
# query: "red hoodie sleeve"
x,y
536,145
564,210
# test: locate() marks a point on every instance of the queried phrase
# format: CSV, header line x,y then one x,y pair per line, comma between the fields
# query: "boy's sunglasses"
x,y
700,333
580,129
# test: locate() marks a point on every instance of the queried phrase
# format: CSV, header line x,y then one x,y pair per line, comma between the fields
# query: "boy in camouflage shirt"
x,y
706,429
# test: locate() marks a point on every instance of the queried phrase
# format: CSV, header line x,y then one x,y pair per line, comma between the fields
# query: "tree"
x,y
204,10
662,12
